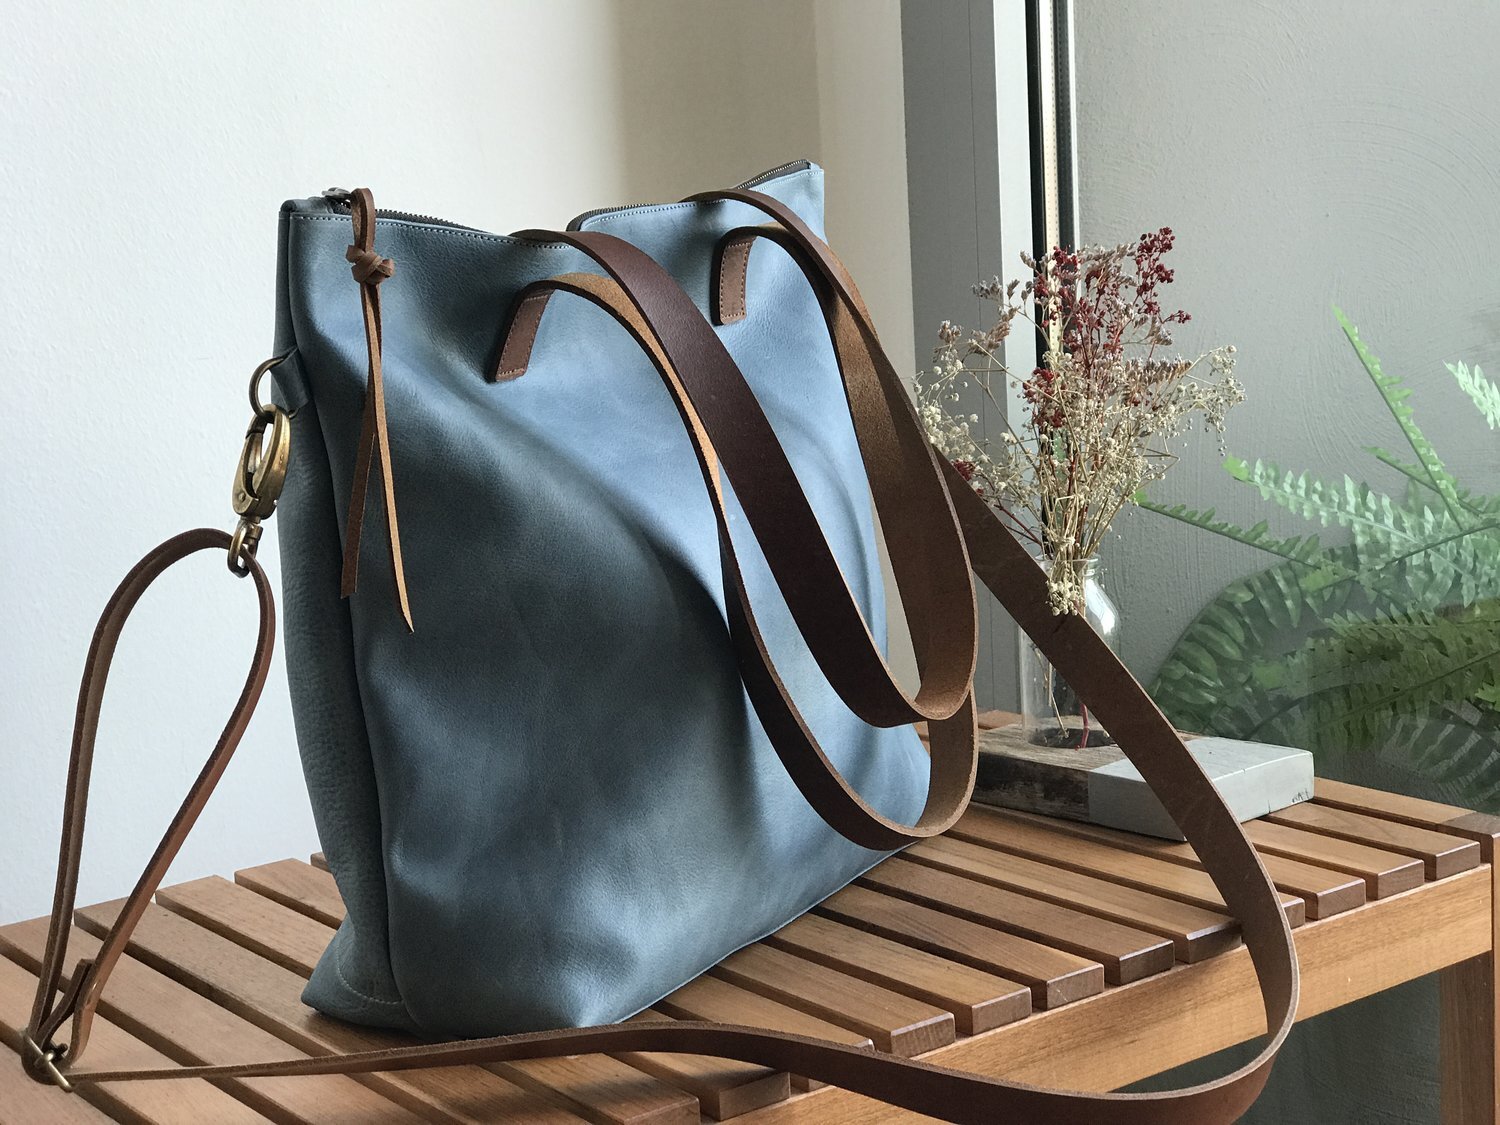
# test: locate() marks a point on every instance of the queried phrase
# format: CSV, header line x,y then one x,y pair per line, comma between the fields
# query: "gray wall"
x,y
968,167
1340,151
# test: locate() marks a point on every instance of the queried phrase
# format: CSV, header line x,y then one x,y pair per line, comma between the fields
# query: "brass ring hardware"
x,y
261,473
45,1059
257,405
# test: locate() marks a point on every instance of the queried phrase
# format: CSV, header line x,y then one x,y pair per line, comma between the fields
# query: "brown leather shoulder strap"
x,y
47,1013
1079,655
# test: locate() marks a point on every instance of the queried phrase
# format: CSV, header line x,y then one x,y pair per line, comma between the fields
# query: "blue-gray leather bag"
x,y
550,802
585,641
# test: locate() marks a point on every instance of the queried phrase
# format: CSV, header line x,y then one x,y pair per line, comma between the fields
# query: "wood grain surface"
x,y
1041,949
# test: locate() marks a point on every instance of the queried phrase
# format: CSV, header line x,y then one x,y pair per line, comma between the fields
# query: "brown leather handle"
x,y
806,571
715,404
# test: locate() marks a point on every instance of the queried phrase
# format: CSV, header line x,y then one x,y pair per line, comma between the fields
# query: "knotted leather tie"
x,y
374,449
369,267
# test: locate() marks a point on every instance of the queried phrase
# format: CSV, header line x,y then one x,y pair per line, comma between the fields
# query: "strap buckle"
x,y
260,475
41,1062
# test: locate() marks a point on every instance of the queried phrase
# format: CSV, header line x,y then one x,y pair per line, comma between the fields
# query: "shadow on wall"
x,y
712,93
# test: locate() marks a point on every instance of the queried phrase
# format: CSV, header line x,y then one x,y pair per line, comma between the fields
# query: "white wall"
x,y
144,149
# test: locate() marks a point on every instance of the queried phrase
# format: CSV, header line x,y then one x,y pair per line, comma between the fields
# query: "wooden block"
x,y
709,998
319,860
1126,952
1146,873
297,886
1385,872
725,1088
1102,786
270,996
895,1023
1325,890
194,1030
1195,932
185,1101
1055,976
978,1000
1441,854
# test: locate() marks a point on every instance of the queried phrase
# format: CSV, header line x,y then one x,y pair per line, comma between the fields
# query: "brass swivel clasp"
x,y
261,473
41,1062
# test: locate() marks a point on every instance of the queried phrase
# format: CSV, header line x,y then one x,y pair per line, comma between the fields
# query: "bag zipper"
x,y
338,198
764,177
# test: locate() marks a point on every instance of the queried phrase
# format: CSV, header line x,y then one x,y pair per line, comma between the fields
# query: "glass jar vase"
x,y
1051,712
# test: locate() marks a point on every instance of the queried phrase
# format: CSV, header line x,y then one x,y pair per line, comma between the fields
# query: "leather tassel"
x,y
374,449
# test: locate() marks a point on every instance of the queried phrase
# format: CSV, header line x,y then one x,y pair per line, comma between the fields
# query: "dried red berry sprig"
x,y
1102,408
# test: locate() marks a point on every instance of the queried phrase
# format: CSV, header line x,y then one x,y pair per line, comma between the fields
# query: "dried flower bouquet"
x,y
1101,411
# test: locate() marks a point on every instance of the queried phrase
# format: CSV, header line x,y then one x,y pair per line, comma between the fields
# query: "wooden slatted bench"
x,y
1017,945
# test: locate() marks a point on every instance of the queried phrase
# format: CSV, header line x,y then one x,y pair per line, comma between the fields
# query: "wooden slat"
x,y
1125,952
709,998
724,1088
1325,890
297,885
1385,872
1196,933
1480,827
605,1090
1055,976
194,1030
1158,876
292,940
1125,1034
601,1088
1441,854
978,1000
187,1101
270,996
1393,806
24,1102
897,1024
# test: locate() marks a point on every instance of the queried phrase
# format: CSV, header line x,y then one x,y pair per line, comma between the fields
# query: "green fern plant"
x,y
1388,641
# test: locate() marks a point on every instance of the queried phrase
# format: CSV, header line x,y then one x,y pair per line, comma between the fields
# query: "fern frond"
x,y
1395,394
1370,515
1483,393
1303,550
1438,556
1417,475
1361,674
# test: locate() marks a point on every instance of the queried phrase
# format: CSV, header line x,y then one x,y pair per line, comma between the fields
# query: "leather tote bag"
x,y
585,638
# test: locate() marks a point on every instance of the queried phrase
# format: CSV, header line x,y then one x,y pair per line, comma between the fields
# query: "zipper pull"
x,y
338,196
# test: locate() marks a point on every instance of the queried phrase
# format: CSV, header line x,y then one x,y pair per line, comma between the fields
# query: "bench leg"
x,y
1470,997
